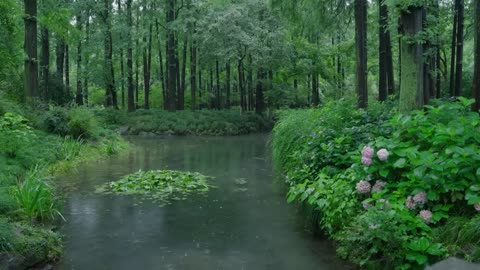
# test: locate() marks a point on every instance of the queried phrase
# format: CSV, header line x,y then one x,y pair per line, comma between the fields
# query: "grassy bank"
x,y
36,145
159,122
393,191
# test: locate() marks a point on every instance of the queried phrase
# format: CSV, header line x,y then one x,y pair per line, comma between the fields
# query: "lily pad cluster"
x,y
160,185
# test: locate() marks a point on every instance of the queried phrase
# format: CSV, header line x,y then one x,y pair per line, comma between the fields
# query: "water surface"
x,y
235,226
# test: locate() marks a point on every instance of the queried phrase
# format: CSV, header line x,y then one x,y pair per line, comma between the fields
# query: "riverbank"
x,y
391,190
36,146
211,123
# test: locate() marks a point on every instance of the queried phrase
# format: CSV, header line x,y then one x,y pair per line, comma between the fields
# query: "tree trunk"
x,y
218,99
45,63
79,92
110,95
476,72
454,47
382,52
459,60
259,102
227,85
412,88
147,62
60,61
181,99
31,65
85,75
130,90
67,71
162,74
137,72
315,95
361,52
193,72
122,68
241,85
250,86
170,17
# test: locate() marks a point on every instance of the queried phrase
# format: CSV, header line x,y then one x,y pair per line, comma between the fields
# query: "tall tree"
x,y
130,90
361,52
193,72
412,65
122,68
171,69
79,92
459,39
454,48
45,62
476,72
108,73
31,65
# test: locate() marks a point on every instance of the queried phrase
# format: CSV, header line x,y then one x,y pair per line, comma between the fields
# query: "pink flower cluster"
x,y
426,215
368,152
367,155
420,198
477,206
379,185
409,203
363,187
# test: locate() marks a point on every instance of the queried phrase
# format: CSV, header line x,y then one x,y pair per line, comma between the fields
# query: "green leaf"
x,y
400,163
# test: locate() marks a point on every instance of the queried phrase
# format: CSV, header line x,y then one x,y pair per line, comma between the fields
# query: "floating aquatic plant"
x,y
160,185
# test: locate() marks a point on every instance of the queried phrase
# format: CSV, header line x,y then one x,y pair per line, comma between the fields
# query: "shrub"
x,y
35,198
14,132
55,121
82,123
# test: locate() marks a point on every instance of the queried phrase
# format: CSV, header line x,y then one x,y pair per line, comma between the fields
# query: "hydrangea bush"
x,y
404,178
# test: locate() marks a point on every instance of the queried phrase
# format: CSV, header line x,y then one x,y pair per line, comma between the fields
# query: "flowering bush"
x,y
381,198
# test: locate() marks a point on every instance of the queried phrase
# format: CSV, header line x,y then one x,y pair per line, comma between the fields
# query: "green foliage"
x,y
219,123
161,185
82,123
432,152
35,198
14,131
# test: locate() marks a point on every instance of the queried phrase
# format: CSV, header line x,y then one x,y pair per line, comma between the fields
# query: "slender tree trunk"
x,y
315,94
45,63
130,90
67,72
193,72
250,88
60,61
199,82
361,51
412,88
86,74
31,65
181,98
259,102
476,72
147,61
79,92
170,17
454,47
389,63
122,68
110,94
241,85
137,72
212,91
218,102
227,85
459,60
382,52
162,74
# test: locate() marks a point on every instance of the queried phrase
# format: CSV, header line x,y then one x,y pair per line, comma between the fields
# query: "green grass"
x,y
216,123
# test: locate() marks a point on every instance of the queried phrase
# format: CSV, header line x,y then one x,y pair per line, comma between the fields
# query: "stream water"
x,y
243,223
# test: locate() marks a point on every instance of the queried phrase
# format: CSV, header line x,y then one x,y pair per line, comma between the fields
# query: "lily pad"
x,y
160,185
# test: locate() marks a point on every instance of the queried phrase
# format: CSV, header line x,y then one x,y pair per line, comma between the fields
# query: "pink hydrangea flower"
x,y
379,185
409,203
383,154
426,215
363,187
366,161
420,198
477,206
367,152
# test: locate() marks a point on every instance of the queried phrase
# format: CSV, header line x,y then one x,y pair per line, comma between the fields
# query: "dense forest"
x,y
374,107
252,54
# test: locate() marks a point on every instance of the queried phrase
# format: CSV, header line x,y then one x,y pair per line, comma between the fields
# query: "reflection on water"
x,y
244,223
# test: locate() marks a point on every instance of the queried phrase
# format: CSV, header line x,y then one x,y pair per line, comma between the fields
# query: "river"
x,y
243,223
